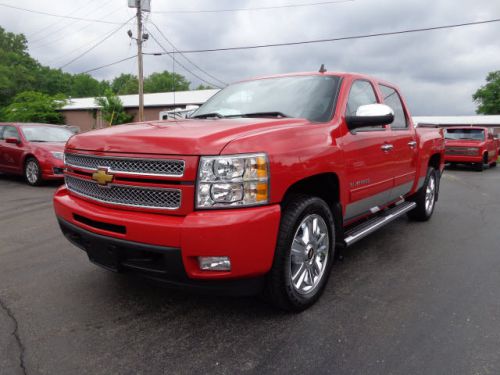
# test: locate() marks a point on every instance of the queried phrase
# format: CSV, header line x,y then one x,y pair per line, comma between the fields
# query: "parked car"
x,y
257,191
471,145
33,150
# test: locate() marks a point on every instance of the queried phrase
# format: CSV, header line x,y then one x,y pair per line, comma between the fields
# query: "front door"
x,y
368,159
10,153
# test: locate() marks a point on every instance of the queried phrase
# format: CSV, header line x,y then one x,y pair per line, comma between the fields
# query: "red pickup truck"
x,y
471,145
257,191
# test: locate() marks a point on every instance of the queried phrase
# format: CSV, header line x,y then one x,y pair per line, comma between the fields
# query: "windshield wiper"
x,y
208,115
37,140
260,114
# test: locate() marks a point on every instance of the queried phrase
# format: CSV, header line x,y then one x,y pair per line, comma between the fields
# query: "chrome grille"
x,y
471,151
124,195
156,167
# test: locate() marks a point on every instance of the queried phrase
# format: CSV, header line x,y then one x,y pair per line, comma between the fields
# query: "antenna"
x,y
322,69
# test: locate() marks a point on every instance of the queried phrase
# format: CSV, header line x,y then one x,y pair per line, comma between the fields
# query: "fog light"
x,y
214,263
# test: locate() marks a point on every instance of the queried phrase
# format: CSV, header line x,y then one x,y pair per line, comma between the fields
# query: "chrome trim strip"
x,y
124,159
129,186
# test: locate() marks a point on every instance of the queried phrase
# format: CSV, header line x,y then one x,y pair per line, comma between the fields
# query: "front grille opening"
x,y
126,195
121,229
156,167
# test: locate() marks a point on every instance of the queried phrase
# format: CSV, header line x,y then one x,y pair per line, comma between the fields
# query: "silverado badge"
x,y
102,177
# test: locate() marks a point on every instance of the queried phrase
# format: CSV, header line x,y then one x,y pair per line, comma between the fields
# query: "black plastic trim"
x,y
158,263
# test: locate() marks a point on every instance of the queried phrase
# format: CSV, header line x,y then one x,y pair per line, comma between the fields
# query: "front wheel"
x,y
32,172
425,198
304,254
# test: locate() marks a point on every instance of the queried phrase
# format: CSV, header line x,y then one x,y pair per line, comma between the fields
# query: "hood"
x,y
48,146
183,137
463,143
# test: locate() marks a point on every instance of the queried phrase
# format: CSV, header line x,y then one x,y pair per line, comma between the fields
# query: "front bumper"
x,y
248,236
463,159
53,170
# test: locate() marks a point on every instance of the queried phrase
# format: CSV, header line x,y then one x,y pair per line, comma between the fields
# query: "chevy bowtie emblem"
x,y
102,177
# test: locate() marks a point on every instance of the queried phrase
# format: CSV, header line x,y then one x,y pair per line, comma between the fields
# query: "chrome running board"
x,y
362,230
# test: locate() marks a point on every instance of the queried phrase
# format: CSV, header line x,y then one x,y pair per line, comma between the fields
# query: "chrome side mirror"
x,y
371,115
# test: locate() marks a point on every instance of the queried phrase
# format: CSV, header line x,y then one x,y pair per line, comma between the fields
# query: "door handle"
x,y
387,147
412,144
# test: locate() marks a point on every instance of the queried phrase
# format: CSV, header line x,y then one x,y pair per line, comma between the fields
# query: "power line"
x,y
252,9
108,65
170,54
97,44
185,57
51,25
362,36
64,36
71,23
57,15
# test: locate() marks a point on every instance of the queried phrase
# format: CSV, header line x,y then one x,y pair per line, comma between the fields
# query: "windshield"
x,y
310,97
46,134
467,134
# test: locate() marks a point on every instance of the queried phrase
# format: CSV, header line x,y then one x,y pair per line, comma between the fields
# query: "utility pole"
x,y
139,59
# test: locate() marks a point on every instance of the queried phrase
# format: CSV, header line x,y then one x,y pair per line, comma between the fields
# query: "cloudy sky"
x,y
438,71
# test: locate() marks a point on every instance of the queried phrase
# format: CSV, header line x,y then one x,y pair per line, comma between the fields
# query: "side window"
x,y
361,94
392,99
10,132
1,133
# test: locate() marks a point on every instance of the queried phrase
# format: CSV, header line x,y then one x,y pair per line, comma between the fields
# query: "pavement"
x,y
413,298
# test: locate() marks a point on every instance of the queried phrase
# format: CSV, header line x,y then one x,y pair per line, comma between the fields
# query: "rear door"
x,y
368,162
404,143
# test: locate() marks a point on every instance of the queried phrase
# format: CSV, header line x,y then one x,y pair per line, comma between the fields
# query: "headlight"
x,y
236,180
57,154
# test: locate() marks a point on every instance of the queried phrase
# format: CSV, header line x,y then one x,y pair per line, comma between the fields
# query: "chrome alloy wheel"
x,y
430,194
309,254
32,171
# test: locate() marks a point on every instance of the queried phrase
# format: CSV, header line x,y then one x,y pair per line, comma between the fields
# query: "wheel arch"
x,y
435,161
325,186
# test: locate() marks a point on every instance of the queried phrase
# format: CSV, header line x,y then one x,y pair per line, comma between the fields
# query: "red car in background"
x,y
471,145
33,150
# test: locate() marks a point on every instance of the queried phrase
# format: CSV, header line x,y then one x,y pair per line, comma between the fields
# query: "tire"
x,y
493,165
299,274
479,167
32,172
426,197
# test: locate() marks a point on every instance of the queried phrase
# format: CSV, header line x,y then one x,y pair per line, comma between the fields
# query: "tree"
x,y
488,96
112,110
32,106
165,82
203,87
125,84
84,85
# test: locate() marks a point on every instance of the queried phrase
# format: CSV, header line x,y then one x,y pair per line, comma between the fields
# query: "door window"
x,y
392,99
361,93
10,132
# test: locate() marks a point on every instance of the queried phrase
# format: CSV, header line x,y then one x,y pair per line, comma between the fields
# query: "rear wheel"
x,y
304,254
426,197
32,172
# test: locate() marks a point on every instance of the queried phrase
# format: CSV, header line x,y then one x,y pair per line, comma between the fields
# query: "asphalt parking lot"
x,y
414,298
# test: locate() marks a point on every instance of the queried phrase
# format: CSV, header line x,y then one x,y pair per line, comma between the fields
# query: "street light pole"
x,y
139,60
